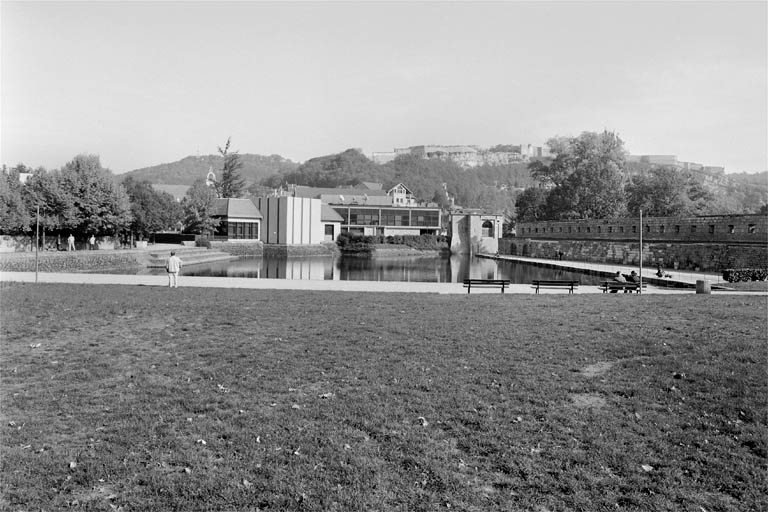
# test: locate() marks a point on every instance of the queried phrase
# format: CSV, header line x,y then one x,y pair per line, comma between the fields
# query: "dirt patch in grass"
x,y
587,400
206,399
597,369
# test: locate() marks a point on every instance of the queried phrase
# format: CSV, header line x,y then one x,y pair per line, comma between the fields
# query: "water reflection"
x,y
418,269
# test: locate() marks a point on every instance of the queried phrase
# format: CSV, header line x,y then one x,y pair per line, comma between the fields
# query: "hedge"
x,y
363,243
735,275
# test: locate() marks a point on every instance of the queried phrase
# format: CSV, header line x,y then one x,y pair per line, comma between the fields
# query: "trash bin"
x,y
702,286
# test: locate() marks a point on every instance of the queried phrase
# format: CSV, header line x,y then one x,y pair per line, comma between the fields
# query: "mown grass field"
x,y
145,398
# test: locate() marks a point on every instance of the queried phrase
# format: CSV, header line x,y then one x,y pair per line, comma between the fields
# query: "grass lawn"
x,y
145,398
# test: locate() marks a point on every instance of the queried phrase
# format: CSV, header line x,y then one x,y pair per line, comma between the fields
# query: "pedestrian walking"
x,y
71,242
173,267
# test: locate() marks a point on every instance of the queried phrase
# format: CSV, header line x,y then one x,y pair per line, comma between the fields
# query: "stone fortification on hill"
x,y
468,156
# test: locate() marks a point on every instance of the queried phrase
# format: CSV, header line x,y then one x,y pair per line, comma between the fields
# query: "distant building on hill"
x,y
467,156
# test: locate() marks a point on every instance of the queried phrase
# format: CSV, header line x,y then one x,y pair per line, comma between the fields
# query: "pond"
x,y
406,269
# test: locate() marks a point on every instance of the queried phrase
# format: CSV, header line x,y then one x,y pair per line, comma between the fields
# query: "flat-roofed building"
x,y
370,210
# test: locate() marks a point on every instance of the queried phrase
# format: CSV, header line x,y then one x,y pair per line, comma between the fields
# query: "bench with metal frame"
x,y
570,285
486,283
617,286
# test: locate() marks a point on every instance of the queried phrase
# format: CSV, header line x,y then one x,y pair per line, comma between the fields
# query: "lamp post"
x,y
37,242
640,289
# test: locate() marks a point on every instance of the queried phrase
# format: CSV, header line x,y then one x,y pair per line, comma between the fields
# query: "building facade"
x,y
711,243
474,232
370,210
291,220
239,219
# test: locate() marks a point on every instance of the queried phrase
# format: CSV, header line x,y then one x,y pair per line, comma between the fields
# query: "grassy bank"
x,y
203,399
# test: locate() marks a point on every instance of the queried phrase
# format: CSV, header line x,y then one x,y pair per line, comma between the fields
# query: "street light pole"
x,y
37,242
640,289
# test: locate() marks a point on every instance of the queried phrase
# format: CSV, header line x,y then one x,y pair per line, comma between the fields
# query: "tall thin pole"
x,y
640,289
37,242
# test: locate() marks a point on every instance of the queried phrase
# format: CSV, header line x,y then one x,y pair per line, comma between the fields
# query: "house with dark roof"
x,y
239,219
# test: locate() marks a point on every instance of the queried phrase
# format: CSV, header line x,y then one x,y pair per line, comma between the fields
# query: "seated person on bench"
x,y
660,272
633,277
619,279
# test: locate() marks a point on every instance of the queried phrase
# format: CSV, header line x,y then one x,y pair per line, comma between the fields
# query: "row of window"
x,y
388,217
751,229
245,230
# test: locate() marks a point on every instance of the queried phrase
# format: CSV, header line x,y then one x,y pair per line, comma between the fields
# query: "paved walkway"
x,y
684,279
289,284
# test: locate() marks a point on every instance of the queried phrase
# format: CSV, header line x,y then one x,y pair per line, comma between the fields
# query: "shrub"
x,y
735,275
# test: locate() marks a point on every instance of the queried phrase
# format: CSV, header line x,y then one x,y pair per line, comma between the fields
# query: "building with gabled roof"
x,y
239,219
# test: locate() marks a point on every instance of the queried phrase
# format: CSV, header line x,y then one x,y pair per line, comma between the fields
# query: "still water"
x,y
406,269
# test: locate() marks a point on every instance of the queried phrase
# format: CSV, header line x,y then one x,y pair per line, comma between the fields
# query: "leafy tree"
x,y
151,210
98,204
666,192
231,183
57,207
531,204
198,206
14,217
586,176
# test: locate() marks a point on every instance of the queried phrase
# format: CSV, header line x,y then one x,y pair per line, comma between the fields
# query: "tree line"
x,y
83,198
587,176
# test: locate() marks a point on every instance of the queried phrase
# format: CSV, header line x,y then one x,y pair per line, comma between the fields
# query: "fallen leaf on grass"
x,y
647,468
72,465
246,483
201,441
295,406
35,345
423,421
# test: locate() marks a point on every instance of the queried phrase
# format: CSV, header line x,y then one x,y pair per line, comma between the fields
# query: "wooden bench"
x,y
486,283
570,285
616,287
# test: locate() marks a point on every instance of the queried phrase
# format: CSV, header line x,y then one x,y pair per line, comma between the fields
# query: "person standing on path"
x,y
173,267
71,242
92,243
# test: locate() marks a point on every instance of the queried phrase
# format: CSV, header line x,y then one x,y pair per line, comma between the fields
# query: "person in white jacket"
x,y
173,267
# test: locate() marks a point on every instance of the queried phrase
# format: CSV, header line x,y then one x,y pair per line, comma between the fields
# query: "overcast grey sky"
x,y
143,83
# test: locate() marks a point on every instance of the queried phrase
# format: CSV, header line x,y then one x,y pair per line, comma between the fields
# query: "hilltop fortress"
x,y
468,156
474,156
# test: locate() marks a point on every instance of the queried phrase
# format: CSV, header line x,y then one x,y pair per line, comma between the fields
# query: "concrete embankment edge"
x,y
307,285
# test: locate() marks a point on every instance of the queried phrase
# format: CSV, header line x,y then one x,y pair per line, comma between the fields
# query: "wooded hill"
x,y
187,170
494,188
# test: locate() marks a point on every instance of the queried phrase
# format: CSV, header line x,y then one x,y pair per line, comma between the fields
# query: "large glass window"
x,y
344,212
363,217
425,218
394,217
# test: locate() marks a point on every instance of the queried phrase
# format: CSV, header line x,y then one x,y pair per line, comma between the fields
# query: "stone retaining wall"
x,y
282,251
684,256
79,261
255,248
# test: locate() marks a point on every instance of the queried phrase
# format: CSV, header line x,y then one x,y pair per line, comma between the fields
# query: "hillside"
x,y
187,170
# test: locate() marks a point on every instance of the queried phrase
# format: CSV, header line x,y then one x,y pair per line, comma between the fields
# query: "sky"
x,y
145,83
